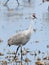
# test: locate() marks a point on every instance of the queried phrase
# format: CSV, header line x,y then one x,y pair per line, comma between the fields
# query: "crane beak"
x,y
9,45
34,30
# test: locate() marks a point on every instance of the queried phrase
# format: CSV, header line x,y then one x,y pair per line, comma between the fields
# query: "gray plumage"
x,y
20,38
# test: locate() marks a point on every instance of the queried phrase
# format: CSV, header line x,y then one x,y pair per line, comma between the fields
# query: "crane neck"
x,y
31,26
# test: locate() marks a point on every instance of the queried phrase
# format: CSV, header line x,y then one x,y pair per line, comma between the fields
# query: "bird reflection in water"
x,y
8,1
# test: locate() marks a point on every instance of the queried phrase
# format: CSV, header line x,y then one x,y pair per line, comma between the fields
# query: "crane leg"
x,y
17,2
6,2
16,51
21,55
29,1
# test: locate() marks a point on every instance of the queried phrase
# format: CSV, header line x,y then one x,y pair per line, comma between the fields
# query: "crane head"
x,y
9,45
10,42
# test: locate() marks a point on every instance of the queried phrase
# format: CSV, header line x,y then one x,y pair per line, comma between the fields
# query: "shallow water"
x,y
14,18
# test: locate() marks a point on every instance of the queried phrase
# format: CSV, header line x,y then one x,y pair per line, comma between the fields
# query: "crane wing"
x,y
20,38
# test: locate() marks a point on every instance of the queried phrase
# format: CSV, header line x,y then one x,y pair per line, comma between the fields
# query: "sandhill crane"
x,y
21,38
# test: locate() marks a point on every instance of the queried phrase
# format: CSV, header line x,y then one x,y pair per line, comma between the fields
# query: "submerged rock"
x,y
39,63
1,54
27,60
4,63
37,41
1,40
